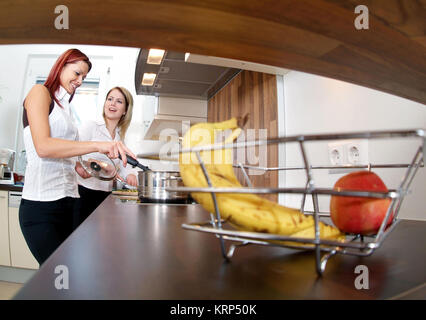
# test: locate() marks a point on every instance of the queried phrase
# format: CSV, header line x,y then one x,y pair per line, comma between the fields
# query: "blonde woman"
x,y
117,114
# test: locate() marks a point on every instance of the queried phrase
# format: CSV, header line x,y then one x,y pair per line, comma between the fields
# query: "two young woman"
x,y
46,213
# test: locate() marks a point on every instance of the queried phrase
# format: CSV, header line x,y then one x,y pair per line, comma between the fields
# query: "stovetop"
x,y
134,200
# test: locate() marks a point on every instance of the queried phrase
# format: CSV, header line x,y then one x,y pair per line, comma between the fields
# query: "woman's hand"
x,y
81,171
132,180
113,149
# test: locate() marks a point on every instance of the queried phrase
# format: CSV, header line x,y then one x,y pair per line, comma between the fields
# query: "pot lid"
x,y
99,166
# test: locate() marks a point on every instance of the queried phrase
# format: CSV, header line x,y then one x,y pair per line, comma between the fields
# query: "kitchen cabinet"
x,y
255,94
4,230
20,254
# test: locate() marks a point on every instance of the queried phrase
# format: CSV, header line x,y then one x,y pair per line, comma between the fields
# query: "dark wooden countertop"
x,y
130,251
8,187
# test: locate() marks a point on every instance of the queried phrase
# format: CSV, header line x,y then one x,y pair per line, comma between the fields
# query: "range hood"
x,y
177,78
175,115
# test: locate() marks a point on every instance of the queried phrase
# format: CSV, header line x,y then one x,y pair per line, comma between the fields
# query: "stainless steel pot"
x,y
152,184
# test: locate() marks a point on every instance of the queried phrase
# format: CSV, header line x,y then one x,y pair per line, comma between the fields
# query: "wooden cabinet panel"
x,y
20,254
254,93
4,230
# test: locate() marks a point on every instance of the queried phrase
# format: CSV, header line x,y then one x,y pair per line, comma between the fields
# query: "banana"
x,y
247,212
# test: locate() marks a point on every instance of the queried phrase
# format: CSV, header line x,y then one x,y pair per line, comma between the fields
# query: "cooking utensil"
x,y
125,184
103,168
135,163
152,186
99,166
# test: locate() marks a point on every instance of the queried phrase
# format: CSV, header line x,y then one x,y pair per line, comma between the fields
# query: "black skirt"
x,y
46,224
87,203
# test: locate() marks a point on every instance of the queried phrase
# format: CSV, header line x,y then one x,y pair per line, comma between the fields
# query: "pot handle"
x,y
135,163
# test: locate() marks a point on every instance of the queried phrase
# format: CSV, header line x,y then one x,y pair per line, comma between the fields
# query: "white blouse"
x,y
48,179
97,131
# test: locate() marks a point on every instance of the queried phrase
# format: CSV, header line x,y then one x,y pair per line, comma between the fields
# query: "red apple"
x,y
359,214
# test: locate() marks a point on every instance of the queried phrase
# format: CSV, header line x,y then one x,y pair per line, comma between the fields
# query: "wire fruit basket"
x,y
354,244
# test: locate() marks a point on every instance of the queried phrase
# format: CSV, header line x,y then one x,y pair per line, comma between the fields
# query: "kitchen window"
x,y
88,101
84,105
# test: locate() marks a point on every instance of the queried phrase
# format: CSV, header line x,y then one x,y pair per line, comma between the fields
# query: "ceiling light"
x,y
155,56
148,79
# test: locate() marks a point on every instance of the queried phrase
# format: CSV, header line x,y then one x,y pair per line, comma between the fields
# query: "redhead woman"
x,y
117,115
50,138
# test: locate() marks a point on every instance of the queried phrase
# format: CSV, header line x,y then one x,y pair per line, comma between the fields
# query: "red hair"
x,y
70,56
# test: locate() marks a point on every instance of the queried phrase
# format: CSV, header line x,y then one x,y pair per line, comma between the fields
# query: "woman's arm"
x,y
37,107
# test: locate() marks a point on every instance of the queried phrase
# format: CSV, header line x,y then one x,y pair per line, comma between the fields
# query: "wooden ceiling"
x,y
314,36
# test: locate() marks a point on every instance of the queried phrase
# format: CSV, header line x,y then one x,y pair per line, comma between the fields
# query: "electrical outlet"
x,y
336,153
356,151
346,153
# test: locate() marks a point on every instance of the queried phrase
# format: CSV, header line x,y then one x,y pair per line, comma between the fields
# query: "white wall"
x,y
315,105
13,64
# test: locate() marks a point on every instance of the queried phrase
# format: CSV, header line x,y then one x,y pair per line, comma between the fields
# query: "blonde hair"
x,y
125,120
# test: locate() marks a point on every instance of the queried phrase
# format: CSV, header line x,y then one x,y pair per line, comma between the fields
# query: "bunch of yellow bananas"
x,y
244,211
